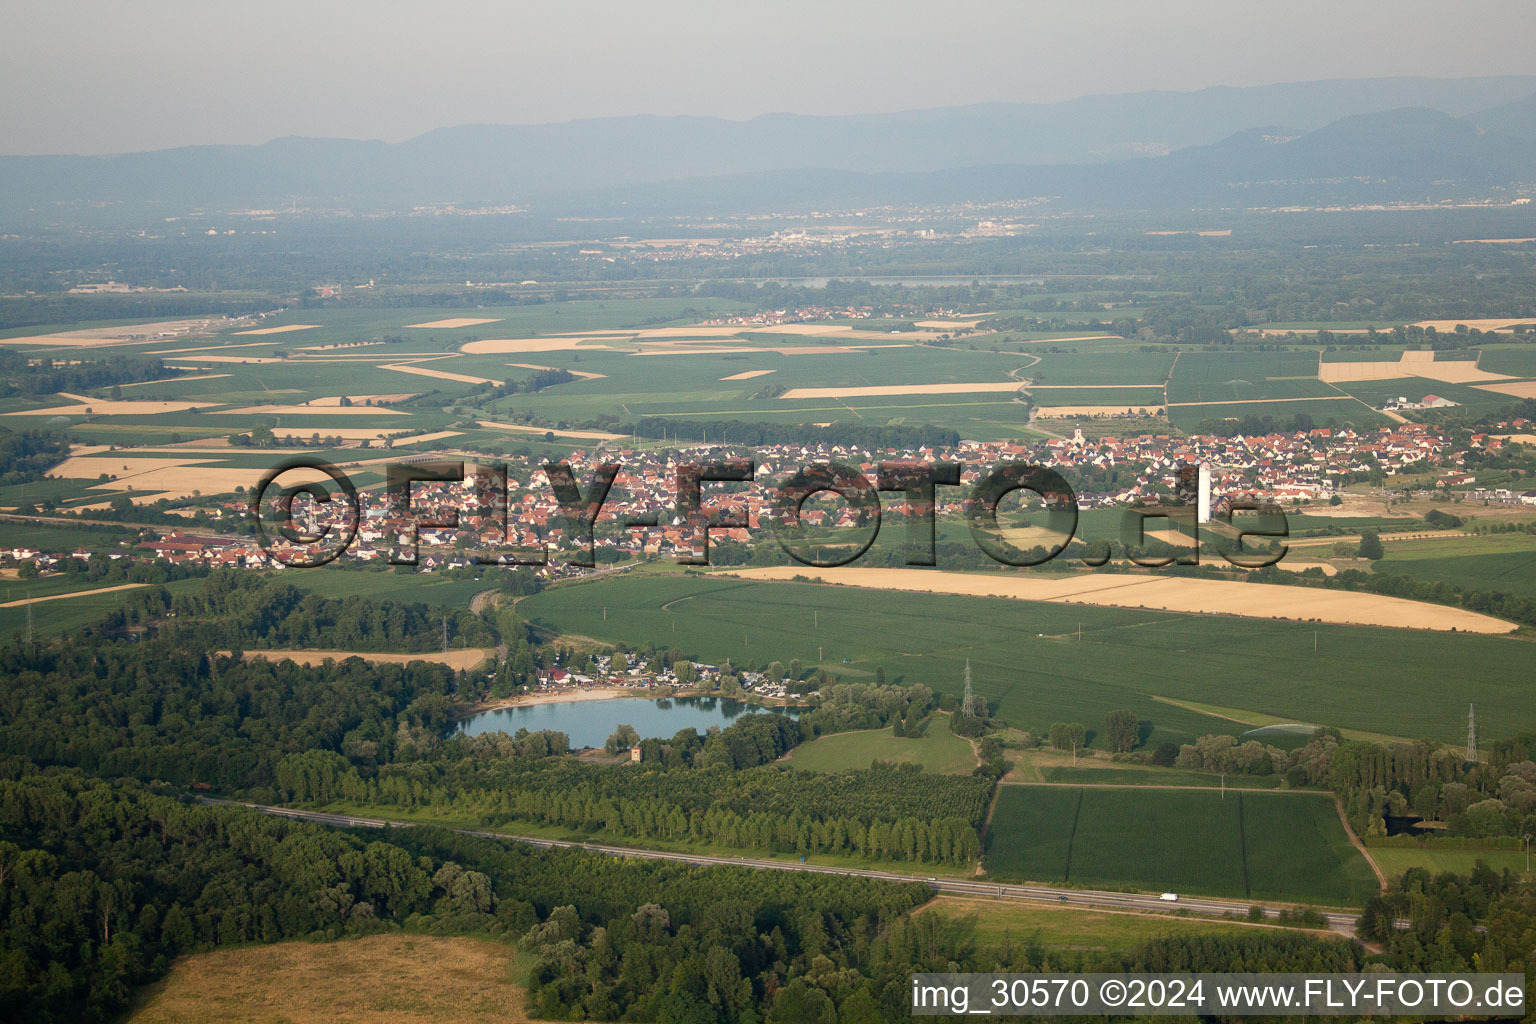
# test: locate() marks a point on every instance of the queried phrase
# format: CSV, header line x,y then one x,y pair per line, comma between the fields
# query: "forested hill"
x,y
245,610
101,884
664,161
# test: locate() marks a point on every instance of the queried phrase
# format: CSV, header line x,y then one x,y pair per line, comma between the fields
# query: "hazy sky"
x,y
112,76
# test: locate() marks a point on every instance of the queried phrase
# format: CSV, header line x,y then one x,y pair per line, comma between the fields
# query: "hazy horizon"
x,y
116,78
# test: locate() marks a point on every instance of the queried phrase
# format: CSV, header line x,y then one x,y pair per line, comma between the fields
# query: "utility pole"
x,y
1471,733
1527,838
445,634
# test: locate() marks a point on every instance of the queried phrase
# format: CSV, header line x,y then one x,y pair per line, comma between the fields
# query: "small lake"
x,y
589,723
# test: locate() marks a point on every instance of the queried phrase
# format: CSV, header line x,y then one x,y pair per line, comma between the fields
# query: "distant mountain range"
x,y
1357,139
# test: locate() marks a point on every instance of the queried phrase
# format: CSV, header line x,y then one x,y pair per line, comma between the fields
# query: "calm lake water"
x,y
589,723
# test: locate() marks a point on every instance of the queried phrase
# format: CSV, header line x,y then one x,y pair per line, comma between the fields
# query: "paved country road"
x,y
1342,923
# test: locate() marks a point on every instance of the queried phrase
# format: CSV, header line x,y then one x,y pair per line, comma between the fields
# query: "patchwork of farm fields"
x,y
634,359
1028,660
1243,844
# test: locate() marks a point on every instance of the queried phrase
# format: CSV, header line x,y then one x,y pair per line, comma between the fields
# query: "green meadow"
x,y
938,750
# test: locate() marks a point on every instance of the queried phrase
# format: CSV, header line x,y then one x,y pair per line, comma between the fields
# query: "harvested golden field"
x,y
176,380
231,359
513,346
905,389
807,329
423,371
1092,387
583,374
1078,337
679,349
1412,363
87,406
380,979
288,328
465,658
1519,389
1280,332
1164,593
1058,412
125,334
150,479
688,332
452,322
1487,324
885,335
1266,401
522,428
747,375
317,408
425,438
206,348
365,399
947,325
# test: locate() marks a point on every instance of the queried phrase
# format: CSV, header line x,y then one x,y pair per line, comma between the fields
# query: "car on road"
x,y
1169,897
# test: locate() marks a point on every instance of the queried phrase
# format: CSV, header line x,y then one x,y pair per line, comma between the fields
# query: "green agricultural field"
x,y
1027,661
939,750
54,618
1377,393
693,385
44,537
1394,861
1102,369
49,586
1364,354
1323,411
1136,398
1244,376
1496,562
1247,845
1516,361
997,924
1152,777
1301,523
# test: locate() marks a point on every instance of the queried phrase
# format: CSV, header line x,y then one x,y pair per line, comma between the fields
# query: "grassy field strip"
x,y
939,750
77,593
1394,860
996,921
1259,720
